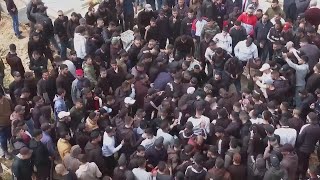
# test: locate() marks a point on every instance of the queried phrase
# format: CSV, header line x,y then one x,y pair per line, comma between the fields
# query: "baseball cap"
x,y
286,26
79,72
190,90
148,7
264,67
63,114
105,109
129,100
16,74
109,129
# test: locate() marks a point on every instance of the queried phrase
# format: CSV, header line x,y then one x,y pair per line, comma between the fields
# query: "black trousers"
x,y
303,163
110,163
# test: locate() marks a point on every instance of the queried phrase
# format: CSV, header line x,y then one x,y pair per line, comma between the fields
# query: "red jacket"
x,y
248,22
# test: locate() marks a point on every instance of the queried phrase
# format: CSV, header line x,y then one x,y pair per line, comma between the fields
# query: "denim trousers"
x,y
5,135
15,24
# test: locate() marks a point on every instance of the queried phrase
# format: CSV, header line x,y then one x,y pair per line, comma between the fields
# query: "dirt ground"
x,y
7,37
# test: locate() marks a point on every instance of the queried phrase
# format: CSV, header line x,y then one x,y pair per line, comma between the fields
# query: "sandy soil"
x,y
7,37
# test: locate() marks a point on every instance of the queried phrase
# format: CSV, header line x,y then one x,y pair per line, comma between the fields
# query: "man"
x,y
289,161
59,103
246,50
287,135
224,40
66,175
140,172
109,148
71,160
186,23
164,29
76,114
302,69
5,130
248,20
60,30
238,33
15,86
261,31
308,137
14,60
156,153
64,80
38,63
42,90
63,144
79,42
312,13
183,45
275,171
13,11
174,25
22,166
94,152
275,9
77,85
144,18
128,14
87,170
40,156
311,51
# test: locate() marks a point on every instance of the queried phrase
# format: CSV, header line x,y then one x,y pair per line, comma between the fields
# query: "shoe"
x,y
20,37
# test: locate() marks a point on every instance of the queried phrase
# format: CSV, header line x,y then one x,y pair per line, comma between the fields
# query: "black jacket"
x,y
261,31
10,6
60,28
22,169
308,137
40,154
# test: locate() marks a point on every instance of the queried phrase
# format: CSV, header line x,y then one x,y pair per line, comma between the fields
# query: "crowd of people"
x,y
207,90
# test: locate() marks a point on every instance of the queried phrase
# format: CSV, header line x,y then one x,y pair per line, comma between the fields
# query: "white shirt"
x,y
108,148
256,121
197,124
141,174
225,42
244,53
287,135
167,138
146,143
79,42
208,54
192,64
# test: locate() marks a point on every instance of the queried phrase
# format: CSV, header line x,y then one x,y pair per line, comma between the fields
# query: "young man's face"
x,y
103,74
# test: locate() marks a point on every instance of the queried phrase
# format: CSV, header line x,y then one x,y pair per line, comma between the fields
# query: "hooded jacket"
x,y
94,153
275,173
88,171
40,155
22,168
195,172
70,160
79,42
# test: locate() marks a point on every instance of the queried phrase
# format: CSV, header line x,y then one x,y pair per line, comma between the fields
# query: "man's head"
x,y
274,4
35,55
63,69
249,41
250,11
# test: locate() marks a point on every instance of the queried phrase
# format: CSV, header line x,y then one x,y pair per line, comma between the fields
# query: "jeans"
x,y
297,97
63,49
5,134
15,24
30,125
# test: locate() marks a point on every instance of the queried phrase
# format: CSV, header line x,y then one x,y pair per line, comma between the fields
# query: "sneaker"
x,y
20,37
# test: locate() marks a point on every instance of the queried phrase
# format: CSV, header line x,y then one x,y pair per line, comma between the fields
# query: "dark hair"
x,y
12,47
36,132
